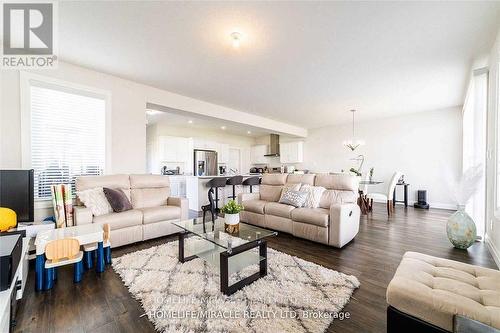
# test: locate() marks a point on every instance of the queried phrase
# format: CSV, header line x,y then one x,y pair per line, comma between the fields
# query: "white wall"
x,y
492,215
423,146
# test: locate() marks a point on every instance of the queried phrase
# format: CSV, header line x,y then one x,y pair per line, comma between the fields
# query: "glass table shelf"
x,y
228,253
214,232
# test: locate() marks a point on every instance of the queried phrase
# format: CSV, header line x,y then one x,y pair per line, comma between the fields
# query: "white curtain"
x,y
474,142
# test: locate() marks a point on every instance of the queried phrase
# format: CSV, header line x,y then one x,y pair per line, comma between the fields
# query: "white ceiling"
x,y
181,119
304,63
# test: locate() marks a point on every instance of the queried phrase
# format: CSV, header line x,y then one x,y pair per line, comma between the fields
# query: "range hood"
x,y
274,145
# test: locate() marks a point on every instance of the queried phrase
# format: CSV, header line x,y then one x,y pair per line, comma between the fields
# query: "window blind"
x,y
67,136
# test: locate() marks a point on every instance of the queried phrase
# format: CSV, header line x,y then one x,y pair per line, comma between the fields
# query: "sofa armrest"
x,y
183,203
248,196
82,215
344,223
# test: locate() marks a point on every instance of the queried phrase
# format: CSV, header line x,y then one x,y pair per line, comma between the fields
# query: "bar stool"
x,y
215,184
252,181
209,208
236,180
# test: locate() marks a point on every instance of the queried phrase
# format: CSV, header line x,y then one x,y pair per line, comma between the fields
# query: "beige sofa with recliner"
x,y
153,211
335,222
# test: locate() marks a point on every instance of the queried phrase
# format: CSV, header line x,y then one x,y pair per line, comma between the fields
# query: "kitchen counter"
x,y
197,190
229,176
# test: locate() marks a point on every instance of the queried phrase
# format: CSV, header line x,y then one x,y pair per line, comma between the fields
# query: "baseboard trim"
x,y
436,205
495,253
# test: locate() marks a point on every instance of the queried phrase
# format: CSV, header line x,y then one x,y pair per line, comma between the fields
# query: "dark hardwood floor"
x,y
103,304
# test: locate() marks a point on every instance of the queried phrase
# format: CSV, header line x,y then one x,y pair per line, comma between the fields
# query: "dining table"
x,y
85,234
363,201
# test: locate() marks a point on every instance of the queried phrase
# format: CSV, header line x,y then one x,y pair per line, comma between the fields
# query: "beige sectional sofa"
x,y
335,222
153,207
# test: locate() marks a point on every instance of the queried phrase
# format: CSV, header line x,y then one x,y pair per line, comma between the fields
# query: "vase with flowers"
x,y
460,228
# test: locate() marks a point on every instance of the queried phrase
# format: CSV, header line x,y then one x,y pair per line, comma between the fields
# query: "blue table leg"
x,y
99,267
88,259
77,271
48,277
39,267
107,255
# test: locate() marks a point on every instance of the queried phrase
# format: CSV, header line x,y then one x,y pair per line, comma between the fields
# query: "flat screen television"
x,y
16,193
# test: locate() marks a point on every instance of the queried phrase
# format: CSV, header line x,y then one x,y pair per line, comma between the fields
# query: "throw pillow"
x,y
313,195
294,198
289,187
117,199
95,200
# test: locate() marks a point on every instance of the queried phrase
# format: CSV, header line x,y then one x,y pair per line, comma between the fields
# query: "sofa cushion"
x,y
254,206
294,198
289,187
315,216
270,193
95,200
111,181
330,197
120,220
314,194
148,181
149,197
294,178
278,209
343,182
161,213
435,289
117,199
274,178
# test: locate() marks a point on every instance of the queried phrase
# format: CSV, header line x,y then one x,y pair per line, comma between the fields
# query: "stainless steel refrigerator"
x,y
205,162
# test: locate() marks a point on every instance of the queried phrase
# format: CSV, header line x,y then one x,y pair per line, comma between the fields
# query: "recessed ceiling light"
x,y
223,127
249,132
236,39
190,121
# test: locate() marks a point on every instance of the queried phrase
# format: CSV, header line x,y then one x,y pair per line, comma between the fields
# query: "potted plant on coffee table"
x,y
231,212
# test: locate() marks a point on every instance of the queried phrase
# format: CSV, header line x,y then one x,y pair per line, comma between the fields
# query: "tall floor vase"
x,y
461,229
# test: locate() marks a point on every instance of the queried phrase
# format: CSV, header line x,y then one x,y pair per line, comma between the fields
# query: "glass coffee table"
x,y
228,253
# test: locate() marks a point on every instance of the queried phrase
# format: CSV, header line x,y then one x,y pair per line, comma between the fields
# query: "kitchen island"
x,y
197,190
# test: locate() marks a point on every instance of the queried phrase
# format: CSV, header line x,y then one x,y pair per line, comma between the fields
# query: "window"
x,y
67,137
474,142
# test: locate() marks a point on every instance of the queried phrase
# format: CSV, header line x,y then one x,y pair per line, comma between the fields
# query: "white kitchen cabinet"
x,y
223,153
257,154
175,149
205,144
177,186
292,152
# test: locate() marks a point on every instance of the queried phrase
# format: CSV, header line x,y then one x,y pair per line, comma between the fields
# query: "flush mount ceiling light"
x,y
235,39
353,143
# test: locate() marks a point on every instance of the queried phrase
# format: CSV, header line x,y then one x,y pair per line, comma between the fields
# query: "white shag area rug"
x,y
295,296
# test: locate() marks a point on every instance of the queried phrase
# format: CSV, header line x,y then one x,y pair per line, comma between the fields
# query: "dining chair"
x,y
387,196
62,252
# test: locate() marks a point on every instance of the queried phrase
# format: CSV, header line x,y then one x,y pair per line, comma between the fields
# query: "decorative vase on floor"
x,y
232,223
461,229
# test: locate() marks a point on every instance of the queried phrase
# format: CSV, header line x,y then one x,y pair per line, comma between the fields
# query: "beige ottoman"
x,y
433,290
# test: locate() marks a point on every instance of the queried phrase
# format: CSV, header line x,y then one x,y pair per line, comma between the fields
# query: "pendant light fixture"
x,y
353,143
